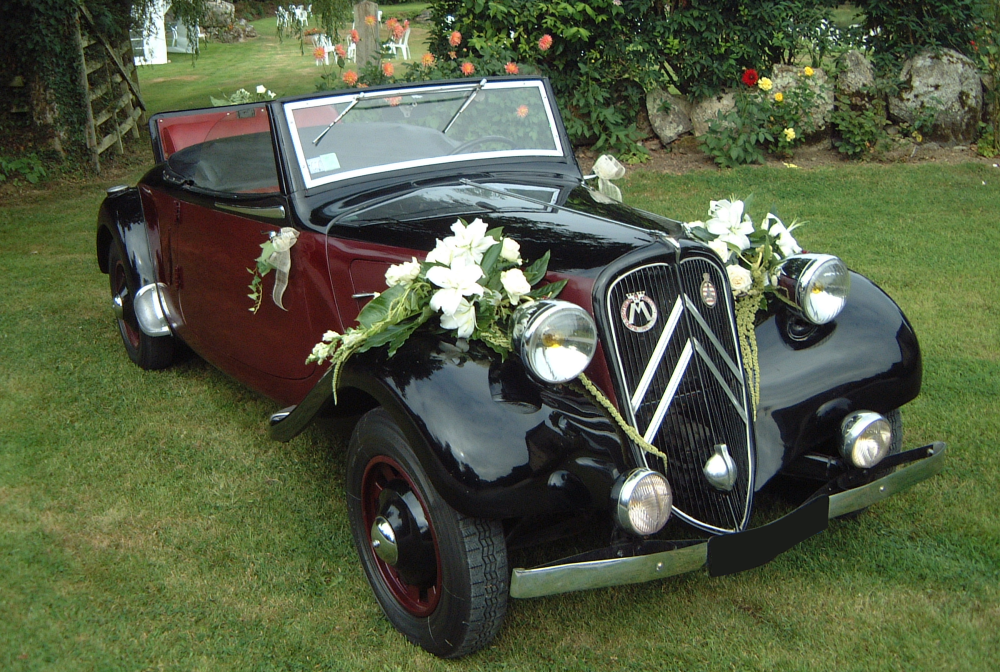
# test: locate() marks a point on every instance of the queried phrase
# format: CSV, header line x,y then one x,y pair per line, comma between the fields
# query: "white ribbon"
x,y
608,168
281,259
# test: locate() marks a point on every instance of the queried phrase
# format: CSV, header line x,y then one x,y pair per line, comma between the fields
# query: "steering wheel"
x,y
478,141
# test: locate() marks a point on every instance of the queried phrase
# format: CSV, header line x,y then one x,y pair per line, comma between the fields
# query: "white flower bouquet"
x,y
471,281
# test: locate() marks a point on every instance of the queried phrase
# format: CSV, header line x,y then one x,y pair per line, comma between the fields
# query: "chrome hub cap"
x,y
384,541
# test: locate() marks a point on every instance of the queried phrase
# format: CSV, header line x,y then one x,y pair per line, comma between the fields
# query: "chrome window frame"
x,y
300,160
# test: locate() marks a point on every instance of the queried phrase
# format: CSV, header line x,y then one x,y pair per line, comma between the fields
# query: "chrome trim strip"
x,y
899,480
718,376
525,583
657,356
364,295
668,394
272,212
715,341
604,573
149,312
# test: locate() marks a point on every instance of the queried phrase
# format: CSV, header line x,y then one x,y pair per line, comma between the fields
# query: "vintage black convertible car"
x,y
460,454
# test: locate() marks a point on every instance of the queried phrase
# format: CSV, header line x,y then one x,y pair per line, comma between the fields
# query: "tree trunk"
x,y
369,48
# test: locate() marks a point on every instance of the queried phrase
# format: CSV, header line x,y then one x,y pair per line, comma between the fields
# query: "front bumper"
x,y
727,554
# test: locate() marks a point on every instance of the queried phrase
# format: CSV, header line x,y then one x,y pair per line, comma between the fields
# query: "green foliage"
x,y
240,96
859,125
986,53
898,29
763,119
27,167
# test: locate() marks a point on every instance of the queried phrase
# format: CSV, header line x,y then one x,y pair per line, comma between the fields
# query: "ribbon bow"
x,y
608,168
281,260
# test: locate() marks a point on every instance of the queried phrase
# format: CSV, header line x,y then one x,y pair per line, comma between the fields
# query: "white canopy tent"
x,y
161,36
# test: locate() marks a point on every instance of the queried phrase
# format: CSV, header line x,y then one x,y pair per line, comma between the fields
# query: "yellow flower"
x,y
778,97
789,134
809,72
764,84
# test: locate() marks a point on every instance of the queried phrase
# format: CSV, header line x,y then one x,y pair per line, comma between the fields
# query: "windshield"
x,y
339,137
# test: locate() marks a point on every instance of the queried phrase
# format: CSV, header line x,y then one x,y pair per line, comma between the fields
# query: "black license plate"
x,y
732,553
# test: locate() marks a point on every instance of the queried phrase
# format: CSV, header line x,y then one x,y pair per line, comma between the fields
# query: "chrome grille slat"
x,y
684,386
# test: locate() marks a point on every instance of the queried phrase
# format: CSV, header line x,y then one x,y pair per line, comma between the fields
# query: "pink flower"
x,y
341,51
455,39
522,111
511,68
388,69
545,42
394,101
350,77
427,60
468,68
392,23
397,32
355,38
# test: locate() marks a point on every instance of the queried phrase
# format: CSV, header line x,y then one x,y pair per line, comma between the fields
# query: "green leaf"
x,y
490,258
549,291
536,271
377,309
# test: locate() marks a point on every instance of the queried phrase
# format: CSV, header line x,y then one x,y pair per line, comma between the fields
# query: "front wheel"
x,y
440,577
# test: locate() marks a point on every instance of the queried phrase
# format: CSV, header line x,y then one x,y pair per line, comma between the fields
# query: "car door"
x,y
221,170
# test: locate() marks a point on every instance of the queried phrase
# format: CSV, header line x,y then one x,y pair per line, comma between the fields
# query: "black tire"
x,y
147,352
456,609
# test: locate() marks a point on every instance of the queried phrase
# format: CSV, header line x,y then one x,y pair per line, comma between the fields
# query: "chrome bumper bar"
x,y
564,578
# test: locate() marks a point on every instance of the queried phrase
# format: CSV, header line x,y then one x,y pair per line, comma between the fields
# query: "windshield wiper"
x,y
468,101
340,117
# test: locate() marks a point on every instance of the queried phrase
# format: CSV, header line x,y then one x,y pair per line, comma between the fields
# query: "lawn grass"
x,y
221,69
147,522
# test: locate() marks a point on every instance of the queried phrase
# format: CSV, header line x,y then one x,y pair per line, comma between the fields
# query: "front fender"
x,y
494,443
810,379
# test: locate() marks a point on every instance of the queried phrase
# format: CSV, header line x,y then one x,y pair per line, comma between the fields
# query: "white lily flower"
x,y
442,253
456,282
515,284
740,279
402,274
463,319
728,218
737,239
470,242
721,248
783,237
510,250
261,88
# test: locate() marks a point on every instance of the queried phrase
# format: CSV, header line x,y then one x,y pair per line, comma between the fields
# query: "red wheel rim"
x,y
381,470
127,323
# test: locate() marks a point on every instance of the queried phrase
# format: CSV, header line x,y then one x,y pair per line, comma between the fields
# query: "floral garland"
x,y
752,256
473,280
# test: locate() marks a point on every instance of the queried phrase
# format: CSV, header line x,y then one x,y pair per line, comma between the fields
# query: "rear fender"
x,y
120,221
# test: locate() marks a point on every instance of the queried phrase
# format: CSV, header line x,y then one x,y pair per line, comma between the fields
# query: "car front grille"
x,y
677,359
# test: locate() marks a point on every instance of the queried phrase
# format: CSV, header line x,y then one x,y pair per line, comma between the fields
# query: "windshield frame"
x,y
290,107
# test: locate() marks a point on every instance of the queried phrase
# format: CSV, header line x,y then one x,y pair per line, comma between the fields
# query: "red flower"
x,y
545,42
388,69
355,38
350,77
468,68
511,68
455,39
750,77
341,51
522,111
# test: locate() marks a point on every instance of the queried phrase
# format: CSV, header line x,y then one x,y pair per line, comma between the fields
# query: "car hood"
x,y
582,233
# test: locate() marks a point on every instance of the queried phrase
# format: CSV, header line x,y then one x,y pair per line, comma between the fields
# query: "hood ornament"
x,y
638,312
720,470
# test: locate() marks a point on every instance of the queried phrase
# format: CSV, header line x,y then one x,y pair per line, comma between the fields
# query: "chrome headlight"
x,y
644,500
556,339
817,283
866,438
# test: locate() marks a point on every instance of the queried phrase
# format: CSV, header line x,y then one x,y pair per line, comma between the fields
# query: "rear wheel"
x,y
440,577
148,352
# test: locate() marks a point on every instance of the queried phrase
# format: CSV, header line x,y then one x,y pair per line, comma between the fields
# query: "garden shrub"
x,y
28,167
859,125
899,29
764,119
986,53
